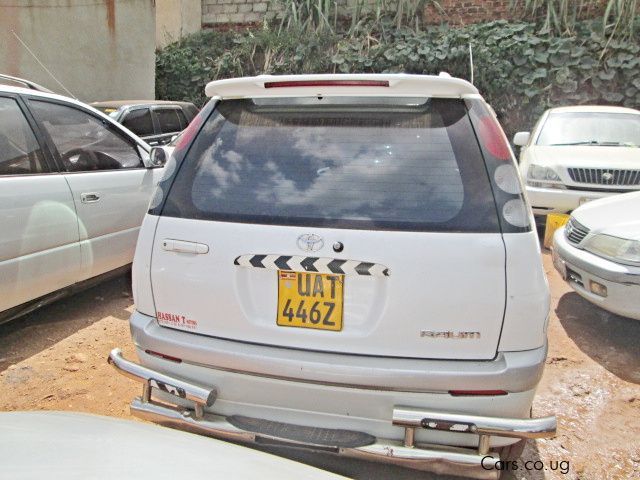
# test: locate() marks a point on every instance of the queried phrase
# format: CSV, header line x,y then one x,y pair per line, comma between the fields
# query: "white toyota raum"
x,y
344,263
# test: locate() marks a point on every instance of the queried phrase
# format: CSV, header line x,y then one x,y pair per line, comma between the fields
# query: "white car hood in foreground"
x,y
66,445
586,156
618,216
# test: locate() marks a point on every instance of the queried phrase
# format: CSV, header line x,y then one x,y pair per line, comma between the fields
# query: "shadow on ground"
x,y
610,340
37,331
361,469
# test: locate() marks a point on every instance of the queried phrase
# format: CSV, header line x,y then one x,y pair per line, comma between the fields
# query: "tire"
x,y
512,452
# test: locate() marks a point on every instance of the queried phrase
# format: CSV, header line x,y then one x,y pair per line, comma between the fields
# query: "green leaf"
x,y
541,57
607,75
613,97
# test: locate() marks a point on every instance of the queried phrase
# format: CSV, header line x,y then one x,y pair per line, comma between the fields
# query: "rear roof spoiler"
x,y
397,84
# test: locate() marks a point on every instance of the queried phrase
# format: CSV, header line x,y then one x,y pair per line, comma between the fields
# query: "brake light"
x,y
328,83
163,356
474,393
188,133
493,139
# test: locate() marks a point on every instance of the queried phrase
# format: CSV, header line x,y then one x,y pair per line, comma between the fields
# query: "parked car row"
x,y
338,262
576,155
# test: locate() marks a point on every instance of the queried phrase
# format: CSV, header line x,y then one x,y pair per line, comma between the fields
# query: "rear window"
x,y
401,164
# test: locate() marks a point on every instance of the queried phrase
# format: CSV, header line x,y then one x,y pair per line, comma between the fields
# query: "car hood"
x,y
616,215
586,156
68,445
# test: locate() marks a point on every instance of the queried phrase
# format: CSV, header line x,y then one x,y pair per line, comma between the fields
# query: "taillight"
x,y
493,138
188,133
327,83
476,393
507,188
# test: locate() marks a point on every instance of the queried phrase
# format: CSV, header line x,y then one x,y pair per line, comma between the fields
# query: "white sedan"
x,y
578,154
76,446
598,253
74,188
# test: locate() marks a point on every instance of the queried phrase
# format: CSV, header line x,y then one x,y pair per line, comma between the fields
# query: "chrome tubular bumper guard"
x,y
435,458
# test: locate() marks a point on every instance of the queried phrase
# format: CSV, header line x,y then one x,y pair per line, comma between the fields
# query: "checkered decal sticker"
x,y
312,264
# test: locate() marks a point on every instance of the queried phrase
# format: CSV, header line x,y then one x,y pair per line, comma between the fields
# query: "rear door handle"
x,y
92,197
181,246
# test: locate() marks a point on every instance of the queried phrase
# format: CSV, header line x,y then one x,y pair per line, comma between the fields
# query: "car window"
x,y
399,167
190,111
84,142
169,120
591,128
183,119
139,122
20,153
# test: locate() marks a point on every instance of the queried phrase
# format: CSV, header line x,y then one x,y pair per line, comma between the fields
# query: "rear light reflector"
x,y
163,356
493,138
328,83
476,393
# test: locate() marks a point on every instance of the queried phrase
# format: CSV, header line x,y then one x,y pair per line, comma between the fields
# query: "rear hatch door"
x,y
354,225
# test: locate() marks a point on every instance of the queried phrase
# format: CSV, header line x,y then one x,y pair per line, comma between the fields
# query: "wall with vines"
x,y
518,69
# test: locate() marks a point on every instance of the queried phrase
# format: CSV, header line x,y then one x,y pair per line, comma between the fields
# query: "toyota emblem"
x,y
310,242
607,177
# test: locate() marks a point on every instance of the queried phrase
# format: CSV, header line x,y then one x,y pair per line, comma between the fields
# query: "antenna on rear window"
x,y
42,65
471,61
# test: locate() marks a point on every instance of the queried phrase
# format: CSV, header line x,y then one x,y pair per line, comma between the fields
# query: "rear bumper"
x,y
510,371
408,452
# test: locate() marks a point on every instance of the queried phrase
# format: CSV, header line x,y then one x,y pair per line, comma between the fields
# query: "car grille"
x,y
605,176
575,231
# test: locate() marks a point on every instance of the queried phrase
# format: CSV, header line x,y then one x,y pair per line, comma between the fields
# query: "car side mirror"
x,y
157,157
520,139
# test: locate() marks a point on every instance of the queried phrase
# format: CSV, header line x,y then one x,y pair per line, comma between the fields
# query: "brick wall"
x,y
217,12
227,13
463,12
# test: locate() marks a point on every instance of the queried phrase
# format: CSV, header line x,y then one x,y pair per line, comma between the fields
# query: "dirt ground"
x,y
55,359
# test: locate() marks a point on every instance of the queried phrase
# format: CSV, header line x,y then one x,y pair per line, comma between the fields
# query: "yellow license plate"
x,y
310,300
554,222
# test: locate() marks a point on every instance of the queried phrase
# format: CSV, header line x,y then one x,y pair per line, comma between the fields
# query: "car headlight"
x,y
543,177
621,250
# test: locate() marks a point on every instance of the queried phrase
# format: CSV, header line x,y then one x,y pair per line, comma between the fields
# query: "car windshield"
x,y
591,128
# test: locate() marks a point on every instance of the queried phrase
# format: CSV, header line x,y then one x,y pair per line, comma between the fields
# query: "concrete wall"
x,y
175,19
99,49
